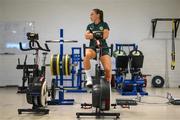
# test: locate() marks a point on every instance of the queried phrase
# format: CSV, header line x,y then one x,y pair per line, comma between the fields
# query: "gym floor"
x,y
10,102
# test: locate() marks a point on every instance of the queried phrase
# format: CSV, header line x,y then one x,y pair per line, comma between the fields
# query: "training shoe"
x,y
89,83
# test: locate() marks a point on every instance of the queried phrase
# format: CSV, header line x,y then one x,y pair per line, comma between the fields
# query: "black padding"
x,y
136,61
122,61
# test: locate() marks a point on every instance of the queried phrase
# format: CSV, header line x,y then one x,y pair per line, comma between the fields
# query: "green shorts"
x,y
103,51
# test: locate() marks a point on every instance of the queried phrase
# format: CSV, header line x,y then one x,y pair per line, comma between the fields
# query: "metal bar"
x,y
64,41
176,27
72,82
61,54
165,19
118,46
80,69
67,79
97,114
154,23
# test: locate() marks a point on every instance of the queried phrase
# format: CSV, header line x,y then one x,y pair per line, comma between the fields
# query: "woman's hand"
x,y
88,35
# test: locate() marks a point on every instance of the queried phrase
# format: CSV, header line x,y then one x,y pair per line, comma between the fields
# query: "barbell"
x,y
64,41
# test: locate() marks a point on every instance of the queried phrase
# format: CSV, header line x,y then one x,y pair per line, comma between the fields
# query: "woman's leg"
x,y
106,62
90,54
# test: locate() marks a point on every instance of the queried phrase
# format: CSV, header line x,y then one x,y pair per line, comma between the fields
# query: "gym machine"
x,y
37,90
63,66
175,26
138,81
101,87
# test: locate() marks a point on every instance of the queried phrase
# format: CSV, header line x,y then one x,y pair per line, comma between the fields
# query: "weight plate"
x,y
157,82
54,64
57,64
66,65
69,65
63,64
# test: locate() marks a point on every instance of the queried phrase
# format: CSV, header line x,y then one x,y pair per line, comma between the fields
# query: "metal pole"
x,y
72,76
61,55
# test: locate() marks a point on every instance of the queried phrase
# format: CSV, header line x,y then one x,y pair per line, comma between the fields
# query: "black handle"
x,y
19,61
21,48
84,49
32,46
112,46
47,48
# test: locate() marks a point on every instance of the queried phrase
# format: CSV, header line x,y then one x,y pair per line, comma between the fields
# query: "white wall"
x,y
129,21
1,9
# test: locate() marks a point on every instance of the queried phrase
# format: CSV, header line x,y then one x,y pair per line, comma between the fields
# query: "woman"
x,y
97,24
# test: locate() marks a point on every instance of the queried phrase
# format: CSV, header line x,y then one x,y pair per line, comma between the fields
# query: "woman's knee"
x,y
108,70
89,54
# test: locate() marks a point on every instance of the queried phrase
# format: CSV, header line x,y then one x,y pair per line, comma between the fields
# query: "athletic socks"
x,y
88,78
110,92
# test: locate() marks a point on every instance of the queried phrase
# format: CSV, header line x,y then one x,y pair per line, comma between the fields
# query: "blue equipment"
x,y
135,59
64,70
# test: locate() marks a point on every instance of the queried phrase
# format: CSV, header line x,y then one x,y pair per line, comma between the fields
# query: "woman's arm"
x,y
105,33
88,35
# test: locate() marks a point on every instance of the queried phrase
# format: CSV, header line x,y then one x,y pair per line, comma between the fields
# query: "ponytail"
x,y
100,12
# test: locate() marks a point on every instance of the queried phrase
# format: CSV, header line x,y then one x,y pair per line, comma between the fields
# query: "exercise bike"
x,y
100,88
36,93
